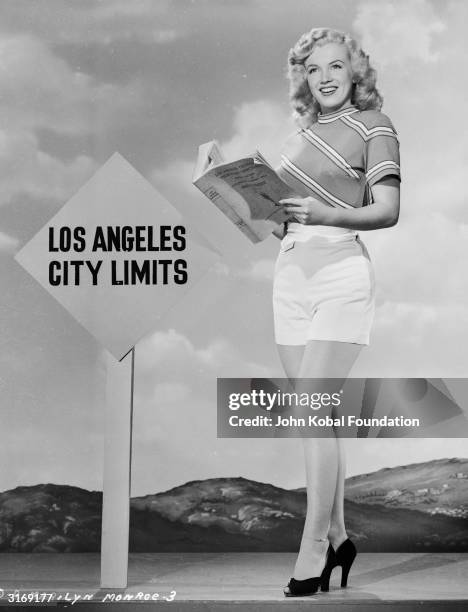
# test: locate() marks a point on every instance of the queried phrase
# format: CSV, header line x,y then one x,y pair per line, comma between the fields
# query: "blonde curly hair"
x,y
365,95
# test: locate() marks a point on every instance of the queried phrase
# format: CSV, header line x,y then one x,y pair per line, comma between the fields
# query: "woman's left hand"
x,y
308,211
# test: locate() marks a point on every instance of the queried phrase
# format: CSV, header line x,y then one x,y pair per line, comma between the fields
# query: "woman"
x,y
344,157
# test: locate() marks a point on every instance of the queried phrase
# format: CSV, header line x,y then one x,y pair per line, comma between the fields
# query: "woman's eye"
x,y
336,66
311,70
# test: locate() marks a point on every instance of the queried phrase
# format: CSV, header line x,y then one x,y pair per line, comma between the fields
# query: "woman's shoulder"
x,y
374,119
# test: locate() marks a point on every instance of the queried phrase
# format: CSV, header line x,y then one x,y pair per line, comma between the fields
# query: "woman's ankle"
x,y
311,558
336,536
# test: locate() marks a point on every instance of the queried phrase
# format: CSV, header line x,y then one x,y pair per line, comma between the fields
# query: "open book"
x,y
246,190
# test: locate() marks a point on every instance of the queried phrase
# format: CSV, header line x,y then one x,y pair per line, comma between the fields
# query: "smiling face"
x,y
330,76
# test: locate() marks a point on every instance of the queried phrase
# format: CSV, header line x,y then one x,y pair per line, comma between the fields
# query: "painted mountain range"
x,y
414,508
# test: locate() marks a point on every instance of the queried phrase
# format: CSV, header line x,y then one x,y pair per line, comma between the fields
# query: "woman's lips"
x,y
328,91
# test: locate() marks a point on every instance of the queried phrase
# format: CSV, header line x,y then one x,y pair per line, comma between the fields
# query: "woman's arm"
x,y
384,211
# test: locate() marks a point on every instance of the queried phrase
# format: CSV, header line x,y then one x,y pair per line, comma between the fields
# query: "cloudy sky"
x,y
152,80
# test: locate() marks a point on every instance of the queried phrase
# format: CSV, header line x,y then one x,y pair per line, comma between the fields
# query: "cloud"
x,y
171,393
165,36
261,124
32,172
104,10
416,44
409,320
40,93
38,89
421,260
175,417
262,269
394,32
419,324
412,339
102,21
8,244
175,384
171,356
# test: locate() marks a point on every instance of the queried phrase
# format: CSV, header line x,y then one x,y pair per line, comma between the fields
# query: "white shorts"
x,y
323,288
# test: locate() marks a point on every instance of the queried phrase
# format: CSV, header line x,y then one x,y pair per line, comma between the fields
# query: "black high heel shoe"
x,y
310,586
344,557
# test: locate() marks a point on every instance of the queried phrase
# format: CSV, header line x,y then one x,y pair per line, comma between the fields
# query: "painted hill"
x,y
50,518
435,487
237,514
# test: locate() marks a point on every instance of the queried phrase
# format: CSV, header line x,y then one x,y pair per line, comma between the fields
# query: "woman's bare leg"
x,y
291,359
338,363
337,532
324,470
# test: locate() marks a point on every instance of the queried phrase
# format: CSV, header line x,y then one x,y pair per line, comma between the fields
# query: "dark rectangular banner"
x,y
353,408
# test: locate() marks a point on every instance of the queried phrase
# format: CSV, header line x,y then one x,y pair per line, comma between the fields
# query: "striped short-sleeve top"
x,y
339,157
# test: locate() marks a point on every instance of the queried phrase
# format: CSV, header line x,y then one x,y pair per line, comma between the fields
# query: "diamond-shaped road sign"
x,y
117,256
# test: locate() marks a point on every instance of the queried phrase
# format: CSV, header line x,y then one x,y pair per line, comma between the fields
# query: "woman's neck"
x,y
325,112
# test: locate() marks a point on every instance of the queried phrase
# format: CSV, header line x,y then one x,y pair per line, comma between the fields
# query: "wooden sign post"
x,y
118,256
118,414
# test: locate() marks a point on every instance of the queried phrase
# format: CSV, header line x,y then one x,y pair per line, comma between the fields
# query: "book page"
x,y
257,183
